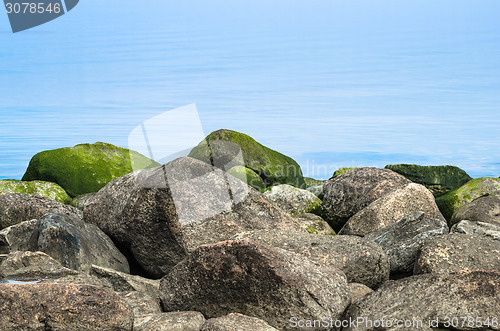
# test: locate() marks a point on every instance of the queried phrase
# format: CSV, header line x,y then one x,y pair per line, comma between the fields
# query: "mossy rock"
x,y
311,182
36,187
247,175
472,190
438,179
226,149
85,168
342,171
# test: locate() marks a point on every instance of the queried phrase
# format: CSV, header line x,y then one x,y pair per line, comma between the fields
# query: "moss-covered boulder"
x,y
36,187
249,176
438,179
344,170
85,168
311,182
472,190
225,149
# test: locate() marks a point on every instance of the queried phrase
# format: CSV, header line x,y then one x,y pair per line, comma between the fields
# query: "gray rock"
x,y
361,260
62,307
358,291
173,321
82,200
293,200
32,265
400,241
317,191
250,278
162,214
78,245
429,297
456,252
349,193
141,303
17,207
314,224
391,208
236,322
485,209
472,227
19,237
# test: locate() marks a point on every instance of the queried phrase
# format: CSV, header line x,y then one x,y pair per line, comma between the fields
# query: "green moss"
x,y
85,168
342,171
41,188
223,147
311,182
249,176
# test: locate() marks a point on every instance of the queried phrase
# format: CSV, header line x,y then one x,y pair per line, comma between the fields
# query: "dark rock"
x,y
456,252
314,224
257,280
391,208
225,149
400,241
438,179
294,200
472,227
485,209
141,303
236,322
82,200
62,307
85,168
78,245
164,213
361,260
17,207
346,195
19,237
180,320
429,297
358,291
32,265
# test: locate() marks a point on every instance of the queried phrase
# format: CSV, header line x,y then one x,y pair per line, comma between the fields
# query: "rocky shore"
x,y
233,237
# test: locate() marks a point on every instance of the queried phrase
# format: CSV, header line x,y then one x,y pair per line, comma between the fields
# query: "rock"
x,y
245,277
358,291
485,209
161,223
236,322
294,200
456,252
472,227
19,237
140,303
248,176
438,179
311,182
420,299
124,282
400,241
314,224
317,191
173,321
451,201
222,149
348,194
17,207
62,307
391,208
85,168
80,278
362,261
36,187
78,245
32,265
344,170
82,200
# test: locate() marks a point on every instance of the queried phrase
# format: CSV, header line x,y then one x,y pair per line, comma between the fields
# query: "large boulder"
x,y
236,322
141,303
452,201
162,214
17,207
391,208
294,200
346,195
62,307
33,266
248,176
426,302
78,245
19,237
82,200
225,149
242,276
85,168
438,179
400,241
36,187
171,321
361,260
457,251
474,227
485,209
313,224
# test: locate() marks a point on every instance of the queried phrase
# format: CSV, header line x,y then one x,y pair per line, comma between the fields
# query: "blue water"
x,y
330,83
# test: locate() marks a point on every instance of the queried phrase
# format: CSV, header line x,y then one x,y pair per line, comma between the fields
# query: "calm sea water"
x,y
330,83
